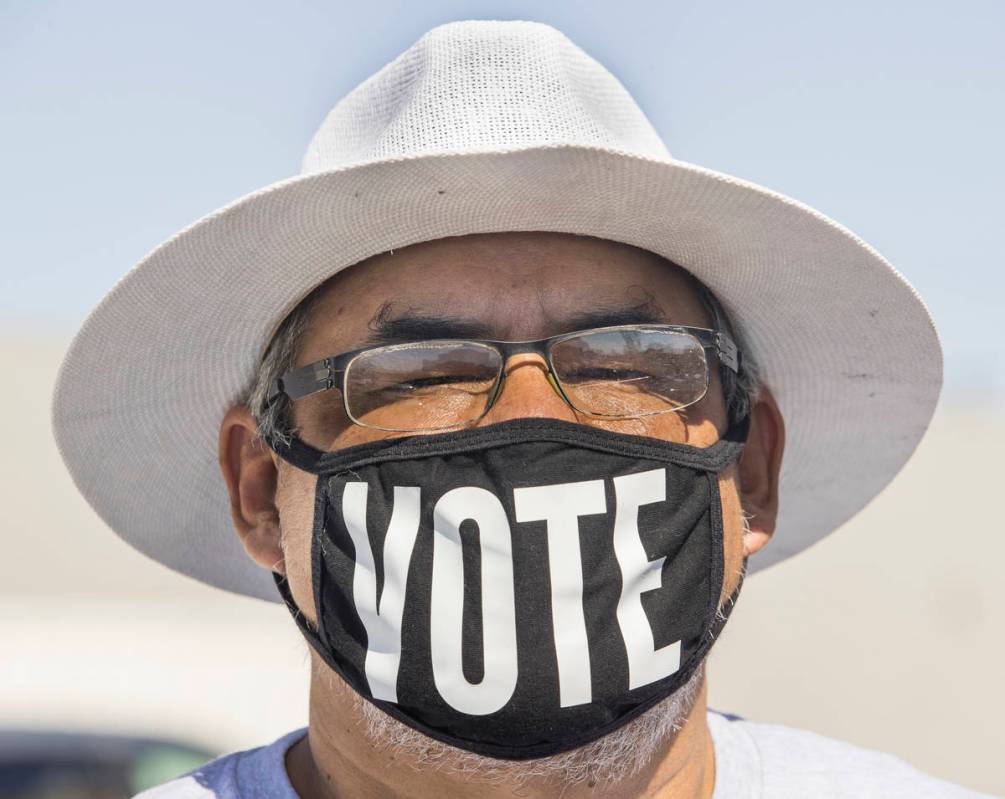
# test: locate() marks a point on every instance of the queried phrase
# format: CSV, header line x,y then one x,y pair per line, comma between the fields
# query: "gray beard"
x,y
612,758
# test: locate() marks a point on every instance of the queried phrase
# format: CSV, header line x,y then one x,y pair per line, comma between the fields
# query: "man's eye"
x,y
418,383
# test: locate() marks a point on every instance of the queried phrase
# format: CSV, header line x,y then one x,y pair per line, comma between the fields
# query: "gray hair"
x,y
739,389
274,422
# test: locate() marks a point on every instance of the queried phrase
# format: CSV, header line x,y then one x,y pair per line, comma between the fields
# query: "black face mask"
x,y
520,589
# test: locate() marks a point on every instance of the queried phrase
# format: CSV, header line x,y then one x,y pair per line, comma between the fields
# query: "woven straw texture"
x,y
482,127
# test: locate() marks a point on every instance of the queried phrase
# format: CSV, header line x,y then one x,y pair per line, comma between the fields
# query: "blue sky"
x,y
124,122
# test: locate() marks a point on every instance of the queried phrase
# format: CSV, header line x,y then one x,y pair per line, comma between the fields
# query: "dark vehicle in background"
x,y
62,765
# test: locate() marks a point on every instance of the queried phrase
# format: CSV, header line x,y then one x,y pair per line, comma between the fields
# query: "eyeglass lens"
x,y
414,387
438,385
624,373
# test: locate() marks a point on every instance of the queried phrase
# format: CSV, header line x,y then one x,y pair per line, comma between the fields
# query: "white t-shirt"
x,y
752,761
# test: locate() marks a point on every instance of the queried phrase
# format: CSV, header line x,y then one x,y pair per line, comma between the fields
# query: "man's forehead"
x,y
508,286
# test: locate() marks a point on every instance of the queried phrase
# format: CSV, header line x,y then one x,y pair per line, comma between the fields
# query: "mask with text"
x,y
520,589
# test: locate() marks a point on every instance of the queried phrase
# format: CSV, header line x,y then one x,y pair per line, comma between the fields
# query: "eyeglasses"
x,y
621,372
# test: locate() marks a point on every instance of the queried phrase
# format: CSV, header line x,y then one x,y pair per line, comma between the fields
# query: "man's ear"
x,y
251,476
758,471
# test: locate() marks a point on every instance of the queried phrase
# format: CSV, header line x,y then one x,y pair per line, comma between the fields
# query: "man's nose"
x,y
527,392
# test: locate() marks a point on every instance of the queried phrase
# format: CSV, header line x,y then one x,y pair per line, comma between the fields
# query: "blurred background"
x,y
124,122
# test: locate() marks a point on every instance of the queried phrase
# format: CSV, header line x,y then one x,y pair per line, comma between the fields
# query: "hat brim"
x,y
844,343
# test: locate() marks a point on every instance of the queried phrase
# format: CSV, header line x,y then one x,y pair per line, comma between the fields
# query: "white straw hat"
x,y
481,127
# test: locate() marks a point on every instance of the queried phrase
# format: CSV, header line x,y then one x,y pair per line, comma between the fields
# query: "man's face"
x,y
512,286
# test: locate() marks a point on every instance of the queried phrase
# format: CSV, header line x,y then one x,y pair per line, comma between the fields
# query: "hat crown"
x,y
469,87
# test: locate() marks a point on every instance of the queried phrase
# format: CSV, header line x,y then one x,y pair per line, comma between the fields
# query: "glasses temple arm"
x,y
727,351
306,380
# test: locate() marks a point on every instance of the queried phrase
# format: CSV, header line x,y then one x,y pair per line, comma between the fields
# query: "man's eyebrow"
x,y
644,313
423,327
420,326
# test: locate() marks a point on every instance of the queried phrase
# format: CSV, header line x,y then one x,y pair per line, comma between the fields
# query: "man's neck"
x,y
336,760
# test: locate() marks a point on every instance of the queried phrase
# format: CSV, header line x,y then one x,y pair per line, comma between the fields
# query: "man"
x,y
498,389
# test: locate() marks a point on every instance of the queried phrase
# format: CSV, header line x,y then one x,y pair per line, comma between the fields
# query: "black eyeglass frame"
x,y
330,372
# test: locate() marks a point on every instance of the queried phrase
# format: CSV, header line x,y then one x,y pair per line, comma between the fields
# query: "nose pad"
x,y
528,391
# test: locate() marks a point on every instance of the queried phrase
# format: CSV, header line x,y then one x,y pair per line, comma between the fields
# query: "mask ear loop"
x,y
726,607
302,622
298,453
